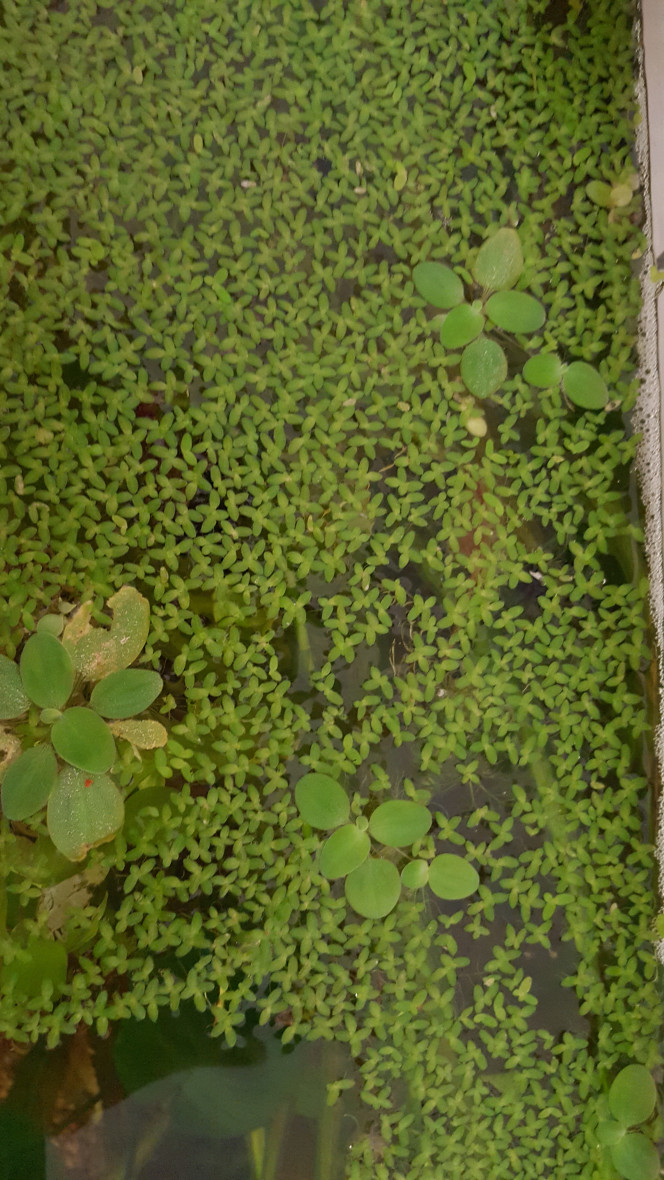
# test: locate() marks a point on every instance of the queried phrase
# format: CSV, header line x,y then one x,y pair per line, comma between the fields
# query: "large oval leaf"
x,y
499,261
123,694
544,370
584,386
636,1158
373,889
321,800
28,782
515,311
483,367
633,1095
13,697
400,822
451,877
43,960
463,324
46,671
83,812
438,284
84,740
97,651
345,850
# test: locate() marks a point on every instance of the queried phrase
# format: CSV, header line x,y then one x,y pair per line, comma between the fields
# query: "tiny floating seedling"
x,y
373,883
467,326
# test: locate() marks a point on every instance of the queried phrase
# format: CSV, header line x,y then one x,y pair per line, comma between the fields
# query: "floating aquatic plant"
x,y
69,748
372,882
631,1102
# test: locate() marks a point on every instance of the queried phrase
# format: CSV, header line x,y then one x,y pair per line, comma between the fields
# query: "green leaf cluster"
x,y
84,807
632,1099
373,883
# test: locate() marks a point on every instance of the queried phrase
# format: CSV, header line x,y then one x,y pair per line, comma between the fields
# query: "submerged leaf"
x,y
83,812
43,960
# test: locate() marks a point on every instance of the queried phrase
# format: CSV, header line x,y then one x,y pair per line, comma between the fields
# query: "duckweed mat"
x,y
221,388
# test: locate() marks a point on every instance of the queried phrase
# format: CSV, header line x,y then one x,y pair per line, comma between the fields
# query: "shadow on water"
x,y
162,1100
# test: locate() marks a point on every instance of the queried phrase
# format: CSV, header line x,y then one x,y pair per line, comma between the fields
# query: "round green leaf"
x,y
609,1132
321,800
400,822
28,782
632,1096
84,740
544,370
51,624
13,698
635,1157
584,386
415,874
373,889
123,694
451,877
83,811
599,193
44,960
483,367
461,326
621,195
515,311
343,851
499,261
46,671
438,284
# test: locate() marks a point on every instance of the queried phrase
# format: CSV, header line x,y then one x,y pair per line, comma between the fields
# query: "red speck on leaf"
x,y
88,782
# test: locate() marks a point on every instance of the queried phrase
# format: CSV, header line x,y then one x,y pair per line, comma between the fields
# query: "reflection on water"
x,y
163,1101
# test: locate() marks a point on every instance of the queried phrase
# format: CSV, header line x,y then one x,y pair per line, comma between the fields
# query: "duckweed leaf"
x,y
398,823
483,367
46,671
438,284
499,261
81,738
144,735
13,697
544,371
415,874
321,800
374,888
97,651
122,694
451,877
584,386
83,812
635,1157
463,324
515,311
633,1095
28,782
345,850
43,960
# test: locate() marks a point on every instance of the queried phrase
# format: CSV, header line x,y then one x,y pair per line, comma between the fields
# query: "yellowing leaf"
x,y
96,651
145,735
